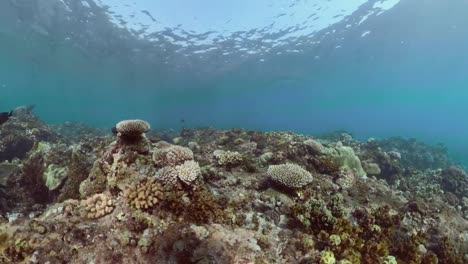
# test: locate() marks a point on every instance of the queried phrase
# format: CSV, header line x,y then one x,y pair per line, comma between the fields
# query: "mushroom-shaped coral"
x,y
97,206
289,175
144,194
172,156
132,128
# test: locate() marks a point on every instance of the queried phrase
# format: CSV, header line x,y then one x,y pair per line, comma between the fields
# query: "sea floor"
x,y
74,194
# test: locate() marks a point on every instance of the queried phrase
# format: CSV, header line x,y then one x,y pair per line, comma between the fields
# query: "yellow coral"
x,y
335,240
97,206
327,257
390,260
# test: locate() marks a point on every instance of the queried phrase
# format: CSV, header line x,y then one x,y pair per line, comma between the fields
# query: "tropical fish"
x,y
4,116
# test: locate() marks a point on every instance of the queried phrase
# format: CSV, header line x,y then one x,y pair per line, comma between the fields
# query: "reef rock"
x,y
6,170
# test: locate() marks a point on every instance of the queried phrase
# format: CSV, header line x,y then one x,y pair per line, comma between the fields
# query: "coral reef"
x,y
87,197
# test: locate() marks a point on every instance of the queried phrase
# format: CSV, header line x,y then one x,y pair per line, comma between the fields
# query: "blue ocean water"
x,y
398,71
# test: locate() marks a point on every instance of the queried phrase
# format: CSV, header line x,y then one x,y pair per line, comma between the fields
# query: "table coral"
x,y
132,128
172,156
289,175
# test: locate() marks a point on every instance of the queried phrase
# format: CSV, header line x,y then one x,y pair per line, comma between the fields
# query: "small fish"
x,y
4,116
114,131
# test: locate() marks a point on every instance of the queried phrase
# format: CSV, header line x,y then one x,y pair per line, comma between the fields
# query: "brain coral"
x,y
144,194
132,128
289,175
172,156
97,206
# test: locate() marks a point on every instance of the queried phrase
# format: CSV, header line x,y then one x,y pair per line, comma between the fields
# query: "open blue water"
x,y
308,66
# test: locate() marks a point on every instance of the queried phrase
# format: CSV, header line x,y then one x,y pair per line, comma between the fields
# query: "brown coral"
x,y
144,194
132,128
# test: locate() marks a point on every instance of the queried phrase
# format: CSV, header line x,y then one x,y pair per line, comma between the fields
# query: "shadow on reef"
x,y
78,195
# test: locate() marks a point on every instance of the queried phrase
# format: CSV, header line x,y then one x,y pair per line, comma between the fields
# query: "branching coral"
x,y
167,175
289,175
228,158
97,206
144,194
206,208
187,172
172,156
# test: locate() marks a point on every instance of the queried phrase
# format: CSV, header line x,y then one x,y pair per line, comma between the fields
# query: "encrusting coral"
x,y
289,175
